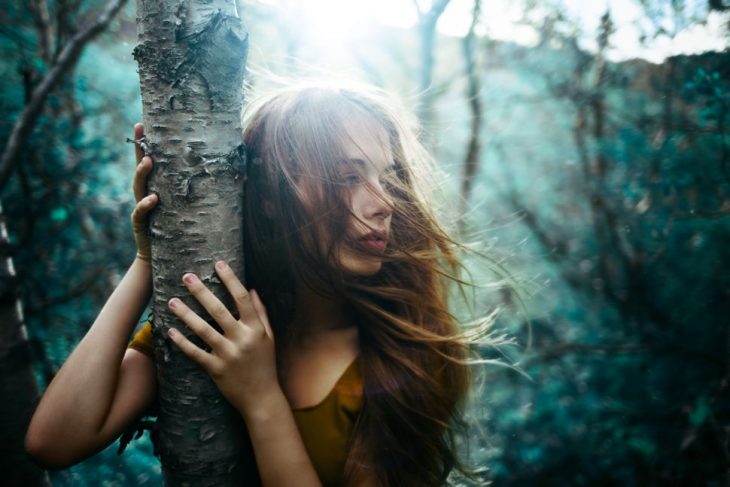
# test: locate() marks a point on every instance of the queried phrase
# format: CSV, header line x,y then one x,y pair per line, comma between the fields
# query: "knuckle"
x,y
260,332
209,335
207,338
185,347
215,369
218,310
195,354
235,353
255,334
241,295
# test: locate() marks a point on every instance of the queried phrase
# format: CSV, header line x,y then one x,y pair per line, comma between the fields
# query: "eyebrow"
x,y
360,162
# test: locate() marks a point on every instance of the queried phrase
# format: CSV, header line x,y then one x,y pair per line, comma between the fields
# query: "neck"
x,y
315,314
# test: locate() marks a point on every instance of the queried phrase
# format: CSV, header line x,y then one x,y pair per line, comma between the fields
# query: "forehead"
x,y
367,140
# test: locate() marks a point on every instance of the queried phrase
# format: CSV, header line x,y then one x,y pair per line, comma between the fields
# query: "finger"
x,y
261,311
241,296
142,208
140,177
138,133
198,325
212,304
140,214
193,352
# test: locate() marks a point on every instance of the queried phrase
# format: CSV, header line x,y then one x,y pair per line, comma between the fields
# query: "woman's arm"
x,y
242,364
101,388
280,453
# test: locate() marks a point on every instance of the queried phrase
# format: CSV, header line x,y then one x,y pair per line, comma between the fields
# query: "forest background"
x,y
599,178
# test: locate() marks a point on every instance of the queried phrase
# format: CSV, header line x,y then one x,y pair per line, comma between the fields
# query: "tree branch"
x,y
39,12
66,59
471,160
571,348
79,288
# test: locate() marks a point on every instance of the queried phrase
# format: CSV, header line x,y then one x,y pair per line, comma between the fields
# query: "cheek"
x,y
354,199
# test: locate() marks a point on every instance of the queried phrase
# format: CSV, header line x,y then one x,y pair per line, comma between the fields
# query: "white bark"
x,y
191,57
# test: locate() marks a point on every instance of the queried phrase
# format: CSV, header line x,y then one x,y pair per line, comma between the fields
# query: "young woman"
x,y
346,267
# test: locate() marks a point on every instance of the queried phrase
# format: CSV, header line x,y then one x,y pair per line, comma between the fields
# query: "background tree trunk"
x,y
191,57
473,86
18,388
427,20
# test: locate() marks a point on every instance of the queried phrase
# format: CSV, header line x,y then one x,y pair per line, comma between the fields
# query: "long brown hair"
x,y
413,355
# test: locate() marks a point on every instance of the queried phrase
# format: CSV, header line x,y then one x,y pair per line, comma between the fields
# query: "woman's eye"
x,y
351,178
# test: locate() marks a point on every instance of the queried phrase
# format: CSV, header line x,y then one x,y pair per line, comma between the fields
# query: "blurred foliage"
x,y
603,187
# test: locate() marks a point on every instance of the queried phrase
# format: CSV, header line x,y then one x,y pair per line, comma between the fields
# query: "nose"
x,y
375,202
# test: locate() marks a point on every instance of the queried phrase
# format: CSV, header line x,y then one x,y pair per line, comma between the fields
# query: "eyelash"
x,y
387,180
351,179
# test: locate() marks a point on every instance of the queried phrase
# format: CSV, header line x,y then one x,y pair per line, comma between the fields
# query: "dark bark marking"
x,y
215,66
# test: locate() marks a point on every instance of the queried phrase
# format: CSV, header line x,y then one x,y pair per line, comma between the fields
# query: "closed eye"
x,y
351,173
351,179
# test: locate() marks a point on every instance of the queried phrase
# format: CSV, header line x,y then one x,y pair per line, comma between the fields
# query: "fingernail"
x,y
189,278
220,265
174,302
172,332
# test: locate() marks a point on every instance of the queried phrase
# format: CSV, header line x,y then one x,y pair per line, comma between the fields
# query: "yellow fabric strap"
x,y
143,342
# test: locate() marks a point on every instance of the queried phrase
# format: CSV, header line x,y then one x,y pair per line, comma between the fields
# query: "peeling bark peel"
x,y
191,57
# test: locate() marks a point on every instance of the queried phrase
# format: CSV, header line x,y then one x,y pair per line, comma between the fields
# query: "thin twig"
x,y
65,60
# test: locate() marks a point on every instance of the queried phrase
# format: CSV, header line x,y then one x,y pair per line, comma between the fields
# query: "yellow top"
x,y
325,428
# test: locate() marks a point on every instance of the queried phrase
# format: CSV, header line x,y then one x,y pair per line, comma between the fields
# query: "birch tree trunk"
x,y
191,56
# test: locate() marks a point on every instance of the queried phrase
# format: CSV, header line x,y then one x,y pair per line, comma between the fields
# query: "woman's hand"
x,y
242,359
145,202
242,363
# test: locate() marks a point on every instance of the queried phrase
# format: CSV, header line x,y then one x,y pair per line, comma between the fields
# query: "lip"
x,y
375,240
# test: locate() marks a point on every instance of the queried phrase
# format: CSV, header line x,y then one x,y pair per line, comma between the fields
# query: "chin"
x,y
363,267
358,264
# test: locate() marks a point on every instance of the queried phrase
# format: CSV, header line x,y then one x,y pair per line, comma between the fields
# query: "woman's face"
x,y
364,173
